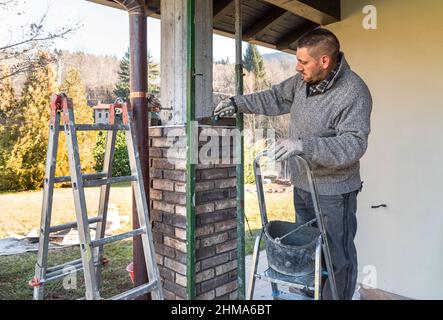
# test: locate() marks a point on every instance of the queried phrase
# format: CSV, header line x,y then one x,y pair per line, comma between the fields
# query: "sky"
x,y
103,30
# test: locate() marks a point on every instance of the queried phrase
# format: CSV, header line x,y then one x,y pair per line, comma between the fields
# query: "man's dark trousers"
x,y
339,213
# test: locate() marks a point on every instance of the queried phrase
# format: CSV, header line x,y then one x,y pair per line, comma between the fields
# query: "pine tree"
x,y
253,62
29,152
8,128
73,87
122,87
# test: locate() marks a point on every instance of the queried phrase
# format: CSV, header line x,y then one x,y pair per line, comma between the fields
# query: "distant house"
x,y
101,113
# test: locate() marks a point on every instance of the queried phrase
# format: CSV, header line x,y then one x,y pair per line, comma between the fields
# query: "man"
x,y
330,108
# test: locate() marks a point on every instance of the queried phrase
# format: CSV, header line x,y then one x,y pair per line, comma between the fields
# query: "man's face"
x,y
312,69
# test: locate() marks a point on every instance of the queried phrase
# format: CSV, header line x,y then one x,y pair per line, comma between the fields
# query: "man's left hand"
x,y
286,148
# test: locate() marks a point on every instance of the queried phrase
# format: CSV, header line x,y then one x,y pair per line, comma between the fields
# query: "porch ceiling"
x,y
275,24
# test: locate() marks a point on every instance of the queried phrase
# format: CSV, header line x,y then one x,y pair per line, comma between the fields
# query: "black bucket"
x,y
295,254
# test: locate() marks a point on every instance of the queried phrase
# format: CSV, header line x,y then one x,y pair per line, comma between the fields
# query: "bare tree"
x,y
18,53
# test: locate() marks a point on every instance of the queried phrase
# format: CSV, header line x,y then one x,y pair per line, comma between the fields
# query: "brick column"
x,y
216,234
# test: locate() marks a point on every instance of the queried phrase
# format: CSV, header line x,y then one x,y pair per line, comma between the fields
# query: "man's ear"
x,y
325,61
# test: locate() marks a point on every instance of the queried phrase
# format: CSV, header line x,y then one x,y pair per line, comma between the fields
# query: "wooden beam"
x,y
264,23
220,8
319,11
284,43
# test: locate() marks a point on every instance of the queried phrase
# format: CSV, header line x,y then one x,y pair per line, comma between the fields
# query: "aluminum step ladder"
x,y
307,287
92,258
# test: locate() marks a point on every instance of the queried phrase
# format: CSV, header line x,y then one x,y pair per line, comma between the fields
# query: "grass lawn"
x,y
20,212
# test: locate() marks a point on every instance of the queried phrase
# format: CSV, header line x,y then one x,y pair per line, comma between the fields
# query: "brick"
x,y
224,268
163,228
226,225
155,132
214,174
162,164
233,274
180,187
175,220
155,173
205,252
225,204
180,210
226,246
155,194
157,237
163,206
181,257
166,273
159,259
177,289
174,131
232,234
233,254
165,250
175,175
168,295
223,297
226,288
204,208
232,172
163,142
181,280
233,295
155,152
204,231
175,266
214,261
213,283
210,295
179,164
211,217
180,233
162,184
206,164
174,243
175,153
204,275
156,215
225,183
215,239
174,197
204,186
212,195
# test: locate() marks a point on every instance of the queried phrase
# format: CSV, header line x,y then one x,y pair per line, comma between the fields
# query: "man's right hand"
x,y
225,108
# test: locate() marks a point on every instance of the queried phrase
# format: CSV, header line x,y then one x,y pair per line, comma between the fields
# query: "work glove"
x,y
285,149
154,105
225,108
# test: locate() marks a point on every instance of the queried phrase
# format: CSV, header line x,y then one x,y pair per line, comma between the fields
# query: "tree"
x,y
28,155
73,87
8,128
20,52
121,159
253,62
122,87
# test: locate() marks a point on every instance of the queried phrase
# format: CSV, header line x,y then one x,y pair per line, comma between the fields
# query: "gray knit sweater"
x,y
333,126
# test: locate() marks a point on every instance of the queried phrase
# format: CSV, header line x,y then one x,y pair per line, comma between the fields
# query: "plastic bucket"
x,y
295,254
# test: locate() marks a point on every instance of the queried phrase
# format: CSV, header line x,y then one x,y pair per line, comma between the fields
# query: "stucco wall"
x,y
401,61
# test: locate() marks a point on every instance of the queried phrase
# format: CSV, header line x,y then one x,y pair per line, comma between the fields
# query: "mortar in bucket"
x,y
294,255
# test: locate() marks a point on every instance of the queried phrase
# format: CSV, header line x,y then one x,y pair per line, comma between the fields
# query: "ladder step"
x,y
87,176
136,292
100,126
61,266
61,273
118,237
71,225
113,180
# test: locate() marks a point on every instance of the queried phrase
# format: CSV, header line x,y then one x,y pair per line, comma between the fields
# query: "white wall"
x,y
402,63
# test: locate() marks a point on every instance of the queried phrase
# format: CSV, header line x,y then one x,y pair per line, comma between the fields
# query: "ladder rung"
x,y
61,273
113,180
117,237
100,126
87,176
61,266
136,292
72,225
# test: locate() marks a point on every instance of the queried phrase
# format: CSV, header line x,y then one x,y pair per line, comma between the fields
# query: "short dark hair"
x,y
322,41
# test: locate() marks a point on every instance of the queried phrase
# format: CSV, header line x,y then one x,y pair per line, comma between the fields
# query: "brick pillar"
x,y
216,233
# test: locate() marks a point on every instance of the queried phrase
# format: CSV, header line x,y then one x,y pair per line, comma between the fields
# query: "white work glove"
x,y
225,108
285,149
